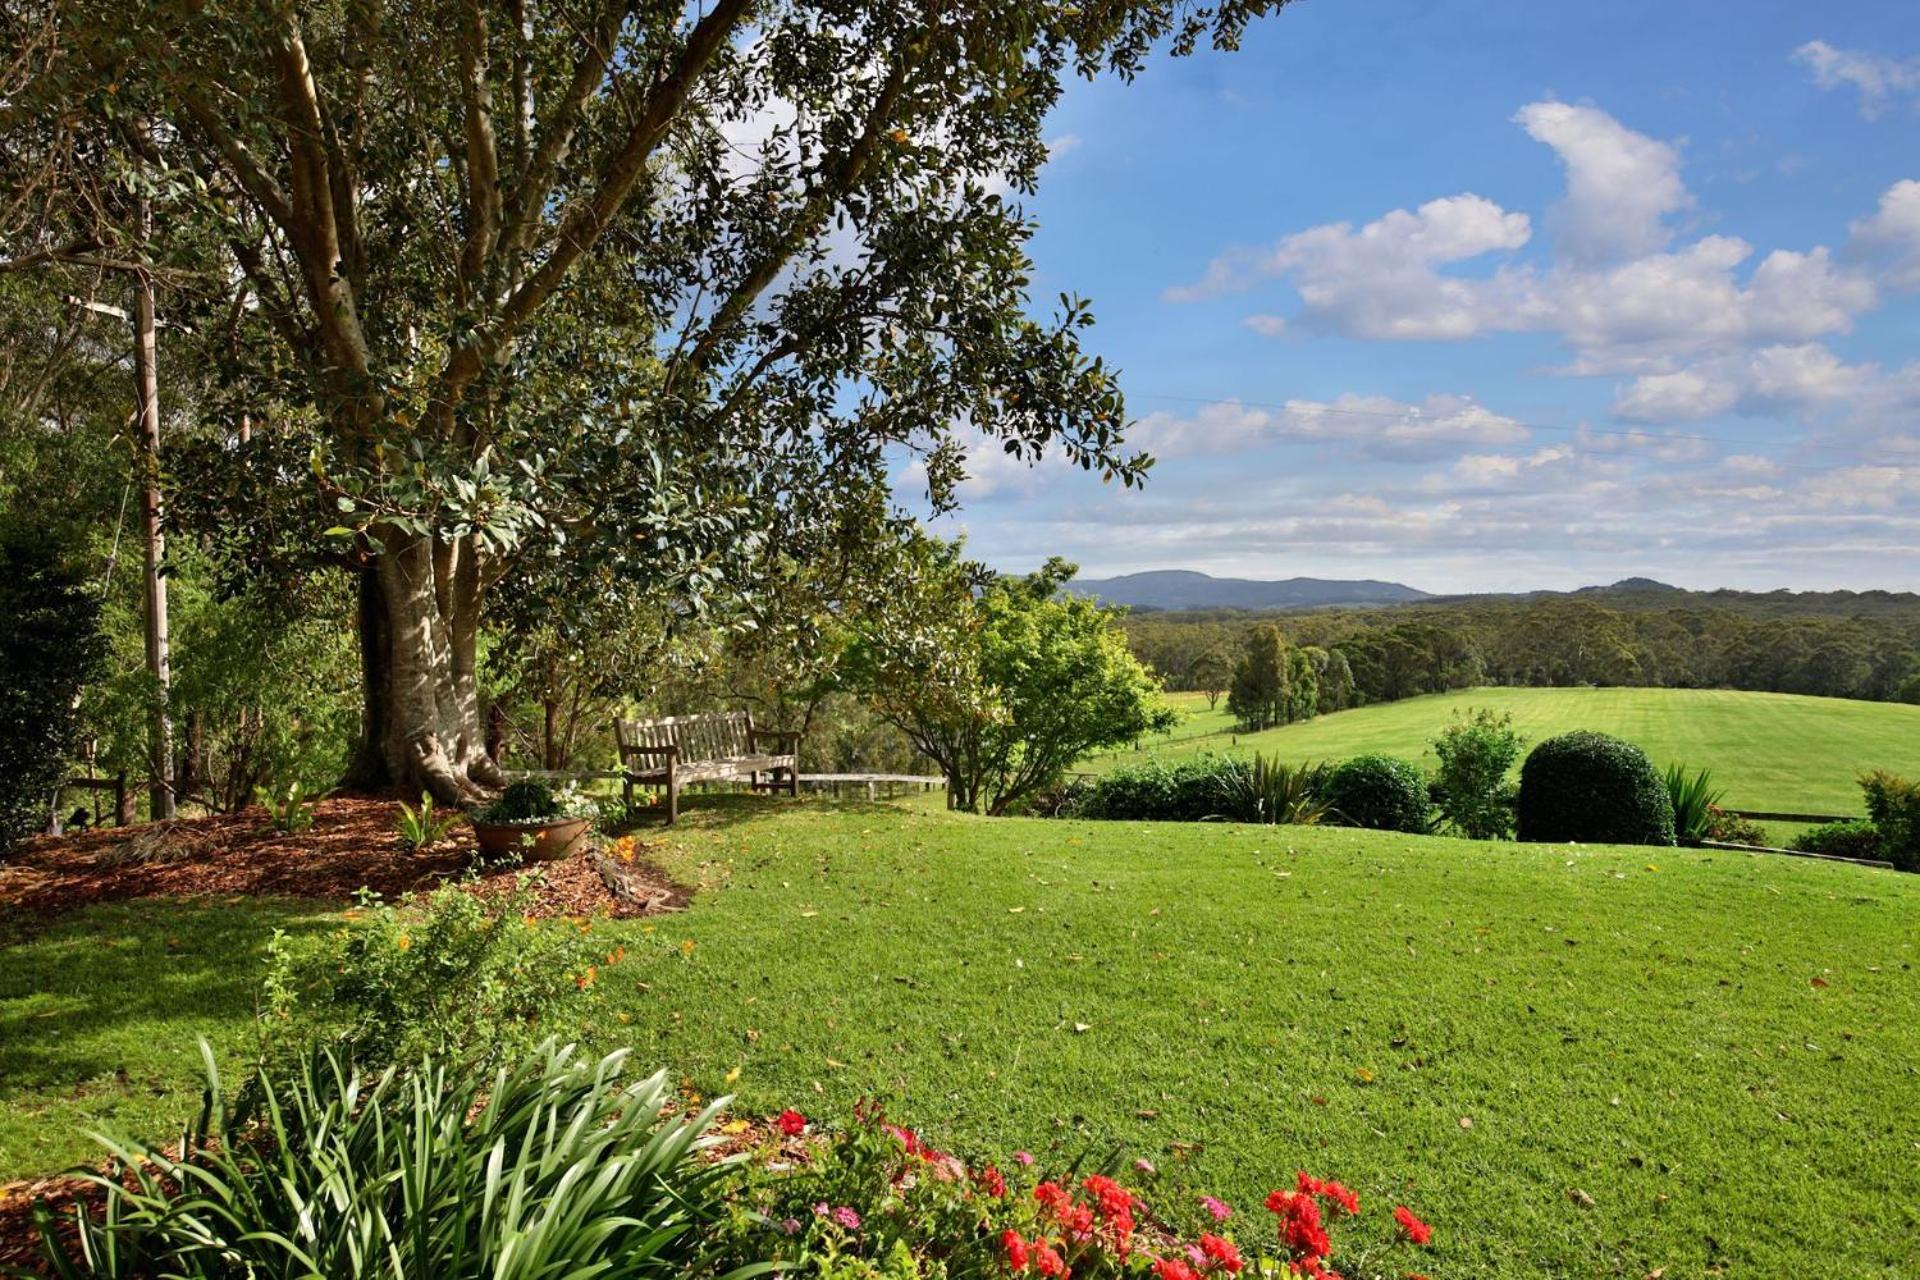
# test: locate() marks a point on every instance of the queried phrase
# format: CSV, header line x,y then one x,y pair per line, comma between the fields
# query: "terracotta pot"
x,y
552,841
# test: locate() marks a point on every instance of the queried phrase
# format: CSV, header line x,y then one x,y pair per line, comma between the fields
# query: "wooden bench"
x,y
721,746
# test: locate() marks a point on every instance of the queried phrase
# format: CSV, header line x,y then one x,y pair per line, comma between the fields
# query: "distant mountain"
x,y
1187,589
1633,584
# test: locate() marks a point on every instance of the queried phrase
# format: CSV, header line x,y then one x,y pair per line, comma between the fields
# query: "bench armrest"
x,y
776,735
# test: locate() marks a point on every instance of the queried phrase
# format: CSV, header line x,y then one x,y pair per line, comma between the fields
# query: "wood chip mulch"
x,y
350,845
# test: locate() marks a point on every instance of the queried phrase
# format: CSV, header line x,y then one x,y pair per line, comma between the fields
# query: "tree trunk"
x,y
421,728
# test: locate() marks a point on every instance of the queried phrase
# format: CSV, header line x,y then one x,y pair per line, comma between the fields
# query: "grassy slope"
x,y
1653,1038
1770,751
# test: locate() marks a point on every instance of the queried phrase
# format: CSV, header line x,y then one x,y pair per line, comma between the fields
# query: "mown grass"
x,y
1774,752
1718,1050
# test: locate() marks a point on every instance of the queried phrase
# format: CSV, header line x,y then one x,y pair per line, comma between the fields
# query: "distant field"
x,y
1769,751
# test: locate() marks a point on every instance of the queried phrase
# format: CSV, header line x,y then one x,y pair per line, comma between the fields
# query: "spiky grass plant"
x,y
552,1166
1694,797
1272,792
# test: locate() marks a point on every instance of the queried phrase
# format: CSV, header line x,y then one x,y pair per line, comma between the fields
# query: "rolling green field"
x,y
1774,752
1716,1051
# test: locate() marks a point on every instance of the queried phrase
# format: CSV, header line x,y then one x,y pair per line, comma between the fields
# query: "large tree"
x,y
609,269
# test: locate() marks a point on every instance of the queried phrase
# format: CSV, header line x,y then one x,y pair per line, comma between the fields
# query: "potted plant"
x,y
531,822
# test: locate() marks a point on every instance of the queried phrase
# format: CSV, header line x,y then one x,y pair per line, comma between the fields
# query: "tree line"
x,y
1284,667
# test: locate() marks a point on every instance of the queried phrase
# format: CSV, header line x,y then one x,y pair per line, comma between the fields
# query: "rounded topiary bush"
x,y
1380,792
1593,788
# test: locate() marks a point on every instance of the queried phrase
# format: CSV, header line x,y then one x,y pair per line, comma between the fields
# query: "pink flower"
x,y
1145,1166
1022,1158
1218,1208
847,1218
791,1226
791,1123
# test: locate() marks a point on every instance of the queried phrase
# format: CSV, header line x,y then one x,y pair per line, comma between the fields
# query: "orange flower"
x,y
403,942
587,979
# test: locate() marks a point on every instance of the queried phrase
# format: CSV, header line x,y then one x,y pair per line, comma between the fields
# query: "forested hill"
x,y
1835,643
1187,589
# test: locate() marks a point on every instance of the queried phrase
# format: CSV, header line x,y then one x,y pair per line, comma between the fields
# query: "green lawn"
x,y
1775,752
1641,1026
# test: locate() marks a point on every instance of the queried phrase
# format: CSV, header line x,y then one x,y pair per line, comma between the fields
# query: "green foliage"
x,y
49,647
1261,692
1186,791
1893,803
528,802
1853,838
1272,792
290,807
1470,786
450,975
1005,689
1694,799
556,1164
1381,792
1724,825
422,828
1595,789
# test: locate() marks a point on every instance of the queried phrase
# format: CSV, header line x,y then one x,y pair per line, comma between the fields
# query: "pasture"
x,y
1774,752
1577,1062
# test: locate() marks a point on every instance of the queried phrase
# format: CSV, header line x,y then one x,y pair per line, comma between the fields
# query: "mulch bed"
x,y
351,845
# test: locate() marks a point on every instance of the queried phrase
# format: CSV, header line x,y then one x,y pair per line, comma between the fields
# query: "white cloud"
x,y
1380,281
1801,377
1379,425
1892,234
1614,290
1621,185
1880,80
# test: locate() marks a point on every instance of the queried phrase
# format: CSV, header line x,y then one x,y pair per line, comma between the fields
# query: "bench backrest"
x,y
715,735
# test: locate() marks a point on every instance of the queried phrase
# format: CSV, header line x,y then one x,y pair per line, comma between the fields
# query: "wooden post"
x,y
159,660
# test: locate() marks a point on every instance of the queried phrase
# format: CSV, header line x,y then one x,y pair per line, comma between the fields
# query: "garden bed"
x,y
351,845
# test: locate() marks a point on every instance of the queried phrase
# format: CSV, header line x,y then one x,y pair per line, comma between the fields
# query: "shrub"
x,y
554,1165
50,646
1271,792
877,1201
1893,803
1593,788
1694,801
1732,828
1380,792
452,975
1470,787
1189,791
1854,838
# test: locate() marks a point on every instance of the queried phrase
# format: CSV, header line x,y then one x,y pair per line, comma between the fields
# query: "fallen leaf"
x,y
1466,1122
1819,982
732,1075
1363,1075
1080,1028
734,1126
1580,1197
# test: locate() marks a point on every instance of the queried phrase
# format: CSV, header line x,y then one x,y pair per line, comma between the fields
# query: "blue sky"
x,y
1497,294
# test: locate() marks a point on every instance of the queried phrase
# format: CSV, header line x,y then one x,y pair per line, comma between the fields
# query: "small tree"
x,y
1007,688
1211,674
1476,754
49,649
1262,685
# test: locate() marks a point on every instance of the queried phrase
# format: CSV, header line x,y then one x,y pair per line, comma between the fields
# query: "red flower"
x,y
991,1181
791,1123
1341,1196
1417,1231
1016,1249
1221,1251
1055,1197
1172,1269
1048,1263
1300,1227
